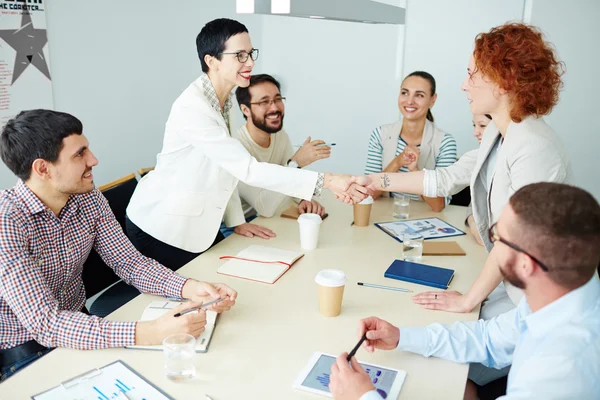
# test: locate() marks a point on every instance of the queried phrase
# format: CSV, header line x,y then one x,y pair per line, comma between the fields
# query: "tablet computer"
x,y
314,377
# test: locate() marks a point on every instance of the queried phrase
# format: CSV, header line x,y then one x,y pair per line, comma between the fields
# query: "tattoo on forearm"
x,y
385,181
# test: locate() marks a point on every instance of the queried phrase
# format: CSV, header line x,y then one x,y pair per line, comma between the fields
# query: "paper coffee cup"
x,y
330,287
309,230
362,212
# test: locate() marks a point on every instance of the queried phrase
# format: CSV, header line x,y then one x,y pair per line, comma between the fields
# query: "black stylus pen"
x,y
189,310
355,349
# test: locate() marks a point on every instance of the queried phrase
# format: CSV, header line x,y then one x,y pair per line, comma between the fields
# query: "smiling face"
x,y
266,109
72,172
415,98
229,68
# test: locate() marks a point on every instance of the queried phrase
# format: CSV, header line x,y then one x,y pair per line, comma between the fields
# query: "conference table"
x,y
260,346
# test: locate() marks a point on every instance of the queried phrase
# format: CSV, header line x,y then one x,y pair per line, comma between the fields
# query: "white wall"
x,y
118,66
341,81
573,28
440,36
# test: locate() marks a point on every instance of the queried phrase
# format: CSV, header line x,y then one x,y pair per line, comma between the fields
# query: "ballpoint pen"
x,y
397,289
189,310
354,350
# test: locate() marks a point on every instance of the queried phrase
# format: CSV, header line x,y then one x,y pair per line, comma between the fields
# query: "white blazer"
x,y
183,201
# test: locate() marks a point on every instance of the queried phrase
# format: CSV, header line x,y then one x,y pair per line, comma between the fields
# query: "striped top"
x,y
445,158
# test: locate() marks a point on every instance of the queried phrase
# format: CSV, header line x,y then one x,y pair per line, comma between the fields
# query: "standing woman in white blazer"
x,y
176,210
514,76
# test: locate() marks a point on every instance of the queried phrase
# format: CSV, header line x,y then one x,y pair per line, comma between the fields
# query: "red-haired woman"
x,y
514,76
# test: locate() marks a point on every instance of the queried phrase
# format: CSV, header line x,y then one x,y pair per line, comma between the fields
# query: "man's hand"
x,y
311,152
251,230
380,334
203,292
448,300
149,333
344,190
349,381
312,206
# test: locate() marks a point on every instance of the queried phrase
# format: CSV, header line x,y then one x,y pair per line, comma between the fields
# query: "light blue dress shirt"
x,y
555,352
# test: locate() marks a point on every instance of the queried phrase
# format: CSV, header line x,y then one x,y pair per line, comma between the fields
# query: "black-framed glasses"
x,y
243,55
278,101
493,236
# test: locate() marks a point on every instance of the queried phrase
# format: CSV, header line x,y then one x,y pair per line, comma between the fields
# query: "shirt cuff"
x,y
121,334
320,184
415,340
174,286
430,183
371,395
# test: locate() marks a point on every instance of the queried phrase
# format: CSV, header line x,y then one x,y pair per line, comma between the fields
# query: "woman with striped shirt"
x,y
414,142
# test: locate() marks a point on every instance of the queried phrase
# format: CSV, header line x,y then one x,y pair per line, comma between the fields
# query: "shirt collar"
x,y
35,205
574,304
211,95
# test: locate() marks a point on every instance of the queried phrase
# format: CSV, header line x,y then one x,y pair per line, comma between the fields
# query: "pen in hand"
x,y
189,310
355,349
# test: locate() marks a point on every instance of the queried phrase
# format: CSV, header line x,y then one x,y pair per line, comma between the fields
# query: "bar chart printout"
x,y
106,383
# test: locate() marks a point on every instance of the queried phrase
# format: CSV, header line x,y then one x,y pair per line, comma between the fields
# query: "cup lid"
x,y
331,277
368,200
309,218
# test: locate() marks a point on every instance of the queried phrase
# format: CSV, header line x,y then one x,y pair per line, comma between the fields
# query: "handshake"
x,y
351,189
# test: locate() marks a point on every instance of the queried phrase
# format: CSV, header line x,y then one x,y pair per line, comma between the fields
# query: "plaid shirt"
x,y
211,95
41,261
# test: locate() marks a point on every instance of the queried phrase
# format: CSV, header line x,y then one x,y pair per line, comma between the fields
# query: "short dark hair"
x,y
243,94
427,76
211,39
35,134
560,225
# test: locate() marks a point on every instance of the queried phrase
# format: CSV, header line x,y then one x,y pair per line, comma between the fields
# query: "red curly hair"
x,y
516,57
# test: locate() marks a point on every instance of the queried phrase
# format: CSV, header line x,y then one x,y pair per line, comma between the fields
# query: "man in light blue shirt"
x,y
548,244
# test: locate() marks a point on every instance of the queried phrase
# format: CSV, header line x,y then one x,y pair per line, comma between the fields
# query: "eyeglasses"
x,y
278,101
493,236
243,55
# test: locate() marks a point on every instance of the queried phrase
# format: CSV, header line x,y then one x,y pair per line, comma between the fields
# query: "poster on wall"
x,y
25,81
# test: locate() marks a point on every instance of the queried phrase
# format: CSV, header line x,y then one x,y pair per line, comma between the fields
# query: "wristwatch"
x,y
293,164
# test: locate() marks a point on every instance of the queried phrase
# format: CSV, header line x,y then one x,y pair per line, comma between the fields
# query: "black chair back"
x,y
96,275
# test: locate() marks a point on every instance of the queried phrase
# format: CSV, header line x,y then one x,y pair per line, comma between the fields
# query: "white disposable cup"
x,y
330,286
309,230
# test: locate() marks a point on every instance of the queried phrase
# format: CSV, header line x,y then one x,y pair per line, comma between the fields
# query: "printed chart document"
x,y
429,228
259,263
113,381
157,308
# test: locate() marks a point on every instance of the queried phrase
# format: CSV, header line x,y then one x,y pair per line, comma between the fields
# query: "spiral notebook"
x,y
259,263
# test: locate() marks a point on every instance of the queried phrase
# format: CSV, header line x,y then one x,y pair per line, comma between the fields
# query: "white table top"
x,y
262,344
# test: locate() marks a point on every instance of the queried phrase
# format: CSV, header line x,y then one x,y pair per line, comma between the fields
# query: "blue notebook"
x,y
420,273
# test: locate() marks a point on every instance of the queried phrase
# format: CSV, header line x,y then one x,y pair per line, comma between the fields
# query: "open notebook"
x,y
158,308
259,263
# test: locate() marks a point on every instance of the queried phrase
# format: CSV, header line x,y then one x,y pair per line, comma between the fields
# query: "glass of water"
x,y
401,206
412,247
179,350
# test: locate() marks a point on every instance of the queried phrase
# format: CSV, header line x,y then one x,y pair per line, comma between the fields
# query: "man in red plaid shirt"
x,y
49,222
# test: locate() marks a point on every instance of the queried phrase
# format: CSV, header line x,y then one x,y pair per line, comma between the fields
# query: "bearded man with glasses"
x,y
263,107
547,243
